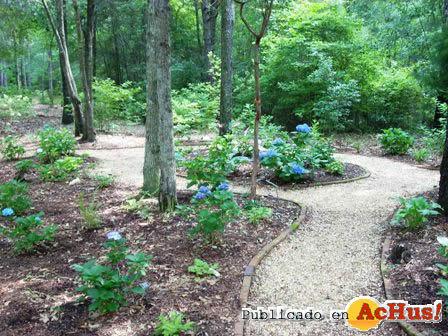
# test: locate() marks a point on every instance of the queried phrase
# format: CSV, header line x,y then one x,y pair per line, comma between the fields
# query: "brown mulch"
x,y
413,274
37,290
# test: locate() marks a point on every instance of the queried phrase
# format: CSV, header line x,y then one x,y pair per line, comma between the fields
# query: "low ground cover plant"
x,y
15,106
414,212
28,232
13,195
202,269
258,214
54,144
173,324
109,283
60,170
395,141
91,220
11,149
443,250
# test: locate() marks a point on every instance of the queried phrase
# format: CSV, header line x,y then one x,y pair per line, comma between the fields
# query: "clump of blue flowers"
x,y
223,186
268,154
113,235
277,142
304,128
7,212
204,190
297,169
200,195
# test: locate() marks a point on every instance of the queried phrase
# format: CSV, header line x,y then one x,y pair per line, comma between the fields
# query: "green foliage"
x,y
11,149
53,144
395,141
105,181
213,213
13,195
109,284
15,107
258,214
116,102
336,168
202,269
414,212
24,166
420,154
173,325
443,250
133,205
61,169
29,232
91,220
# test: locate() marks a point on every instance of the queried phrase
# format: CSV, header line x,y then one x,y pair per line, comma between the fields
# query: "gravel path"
x,y
335,254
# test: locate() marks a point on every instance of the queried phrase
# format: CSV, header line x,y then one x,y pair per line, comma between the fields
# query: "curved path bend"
x,y
335,254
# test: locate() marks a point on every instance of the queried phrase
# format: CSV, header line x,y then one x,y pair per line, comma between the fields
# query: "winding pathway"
x,y
335,254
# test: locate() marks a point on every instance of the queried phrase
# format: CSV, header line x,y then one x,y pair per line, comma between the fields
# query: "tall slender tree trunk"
x,y
198,26
23,65
209,15
226,102
159,46
50,75
62,43
84,62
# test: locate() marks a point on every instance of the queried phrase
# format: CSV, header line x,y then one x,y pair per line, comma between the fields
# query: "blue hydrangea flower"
x,y
145,285
268,154
37,219
223,186
200,195
7,212
304,128
277,142
114,235
297,169
204,189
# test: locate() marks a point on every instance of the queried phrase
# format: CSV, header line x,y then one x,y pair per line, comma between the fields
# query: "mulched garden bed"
x,y
413,275
37,291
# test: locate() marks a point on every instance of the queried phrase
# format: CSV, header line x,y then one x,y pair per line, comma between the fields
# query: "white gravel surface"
x,y
335,254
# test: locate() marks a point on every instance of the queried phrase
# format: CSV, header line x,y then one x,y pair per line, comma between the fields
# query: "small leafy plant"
x,y
395,141
61,169
336,168
89,213
13,195
443,250
420,154
29,232
10,148
173,324
105,181
55,144
259,214
109,284
414,212
133,205
24,166
202,268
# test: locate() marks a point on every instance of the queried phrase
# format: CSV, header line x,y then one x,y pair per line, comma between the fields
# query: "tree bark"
x,y
50,75
209,15
198,26
84,65
71,84
151,168
226,101
25,83
159,46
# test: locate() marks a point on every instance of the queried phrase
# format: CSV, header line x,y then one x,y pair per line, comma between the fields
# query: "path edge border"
x,y
249,272
407,328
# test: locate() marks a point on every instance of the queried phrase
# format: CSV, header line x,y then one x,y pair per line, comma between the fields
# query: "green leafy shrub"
x,y
202,268
414,212
10,148
443,250
420,154
173,324
116,102
259,214
16,106
61,169
13,195
24,166
395,141
91,220
54,144
109,284
105,181
29,232
214,210
133,205
336,168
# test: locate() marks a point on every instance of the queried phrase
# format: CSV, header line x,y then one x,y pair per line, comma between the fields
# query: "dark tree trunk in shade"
x,y
209,10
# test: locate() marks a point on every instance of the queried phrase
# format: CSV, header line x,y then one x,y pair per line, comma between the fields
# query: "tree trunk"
x,y
198,26
18,81
159,46
209,15
25,83
84,65
226,102
50,75
151,168
62,43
